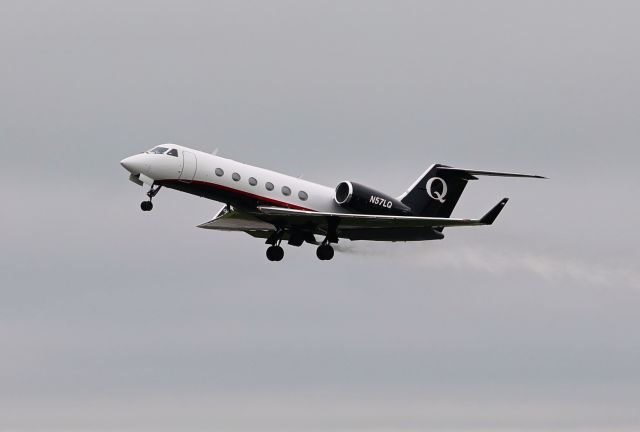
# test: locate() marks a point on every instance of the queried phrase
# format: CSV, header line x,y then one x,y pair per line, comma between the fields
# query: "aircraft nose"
x,y
134,164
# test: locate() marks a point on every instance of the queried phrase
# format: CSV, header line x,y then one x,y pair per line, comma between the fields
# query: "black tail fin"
x,y
437,191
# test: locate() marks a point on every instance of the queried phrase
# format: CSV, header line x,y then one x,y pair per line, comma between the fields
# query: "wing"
x,y
349,221
353,226
229,219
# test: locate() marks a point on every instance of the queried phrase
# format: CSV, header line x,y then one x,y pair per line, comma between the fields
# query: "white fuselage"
x,y
228,181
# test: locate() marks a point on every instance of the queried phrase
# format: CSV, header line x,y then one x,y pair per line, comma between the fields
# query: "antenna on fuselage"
x,y
215,151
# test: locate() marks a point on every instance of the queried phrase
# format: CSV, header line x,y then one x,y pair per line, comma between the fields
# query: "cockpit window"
x,y
158,150
173,152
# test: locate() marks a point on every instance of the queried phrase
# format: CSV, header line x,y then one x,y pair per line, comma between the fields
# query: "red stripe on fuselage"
x,y
240,192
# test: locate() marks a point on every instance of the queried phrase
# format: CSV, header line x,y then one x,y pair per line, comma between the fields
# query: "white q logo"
x,y
438,196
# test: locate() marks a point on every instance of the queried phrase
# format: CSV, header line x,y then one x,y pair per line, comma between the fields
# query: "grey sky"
x,y
115,319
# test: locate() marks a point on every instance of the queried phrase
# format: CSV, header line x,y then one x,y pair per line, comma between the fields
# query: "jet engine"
x,y
362,199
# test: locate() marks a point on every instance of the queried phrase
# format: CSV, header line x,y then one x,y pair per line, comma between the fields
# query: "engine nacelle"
x,y
363,199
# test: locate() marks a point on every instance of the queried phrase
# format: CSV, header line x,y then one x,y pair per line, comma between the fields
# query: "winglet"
x,y
493,213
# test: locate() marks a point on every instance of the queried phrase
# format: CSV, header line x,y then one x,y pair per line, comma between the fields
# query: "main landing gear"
x,y
275,253
148,205
325,251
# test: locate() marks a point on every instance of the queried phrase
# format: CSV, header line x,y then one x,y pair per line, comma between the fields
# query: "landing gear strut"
x,y
148,205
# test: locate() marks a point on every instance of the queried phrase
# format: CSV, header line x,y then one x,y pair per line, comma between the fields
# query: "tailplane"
x,y
437,191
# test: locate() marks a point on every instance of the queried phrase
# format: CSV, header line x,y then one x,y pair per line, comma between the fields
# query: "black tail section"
x,y
437,192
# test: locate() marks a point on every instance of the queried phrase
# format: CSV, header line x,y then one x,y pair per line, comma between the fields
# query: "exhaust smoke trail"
x,y
502,260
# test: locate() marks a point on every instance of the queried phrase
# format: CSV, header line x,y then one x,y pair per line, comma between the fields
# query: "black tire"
x,y
329,253
325,252
270,254
279,253
146,205
275,253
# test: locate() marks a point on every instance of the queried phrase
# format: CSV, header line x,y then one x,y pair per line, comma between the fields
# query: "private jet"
x,y
276,207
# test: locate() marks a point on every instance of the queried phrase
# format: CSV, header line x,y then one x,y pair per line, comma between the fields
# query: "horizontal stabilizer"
x,y
487,173
491,216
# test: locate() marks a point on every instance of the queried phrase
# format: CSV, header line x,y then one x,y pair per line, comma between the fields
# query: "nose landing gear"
x,y
148,205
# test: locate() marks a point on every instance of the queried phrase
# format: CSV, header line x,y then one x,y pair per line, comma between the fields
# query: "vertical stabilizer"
x,y
436,192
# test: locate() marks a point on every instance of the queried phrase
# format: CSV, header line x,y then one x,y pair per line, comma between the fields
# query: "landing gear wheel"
x,y
148,205
275,253
325,252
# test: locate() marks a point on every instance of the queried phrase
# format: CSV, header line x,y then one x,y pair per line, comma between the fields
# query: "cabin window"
x,y
286,191
253,181
219,172
268,186
173,152
303,196
235,177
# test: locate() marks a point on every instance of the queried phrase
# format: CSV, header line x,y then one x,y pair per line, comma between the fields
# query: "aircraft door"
x,y
189,167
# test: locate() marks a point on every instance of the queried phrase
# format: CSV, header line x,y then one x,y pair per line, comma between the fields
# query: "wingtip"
x,y
491,216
